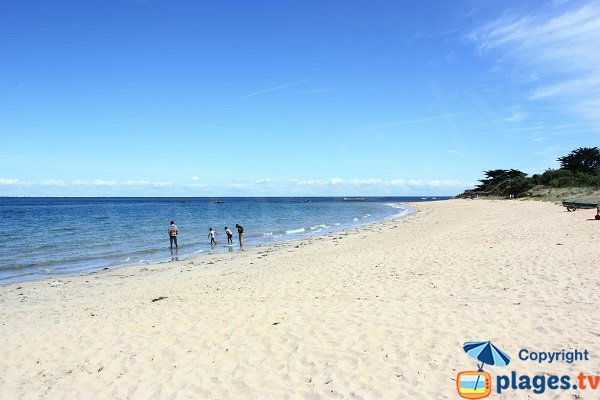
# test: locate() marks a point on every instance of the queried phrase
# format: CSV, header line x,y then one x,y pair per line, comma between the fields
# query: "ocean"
x,y
49,237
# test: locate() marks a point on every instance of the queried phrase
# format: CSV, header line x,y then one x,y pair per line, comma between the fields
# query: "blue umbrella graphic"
x,y
487,353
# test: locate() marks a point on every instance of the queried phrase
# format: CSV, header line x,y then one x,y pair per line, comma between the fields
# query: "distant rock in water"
x,y
218,202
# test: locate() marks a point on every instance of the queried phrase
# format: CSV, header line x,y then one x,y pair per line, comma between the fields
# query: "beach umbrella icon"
x,y
487,353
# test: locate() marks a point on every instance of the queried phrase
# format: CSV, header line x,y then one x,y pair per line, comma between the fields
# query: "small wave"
x,y
355,219
292,231
395,205
127,259
319,227
337,224
267,234
404,212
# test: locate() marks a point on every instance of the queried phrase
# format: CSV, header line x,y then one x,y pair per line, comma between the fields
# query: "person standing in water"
x,y
240,230
212,234
173,231
229,235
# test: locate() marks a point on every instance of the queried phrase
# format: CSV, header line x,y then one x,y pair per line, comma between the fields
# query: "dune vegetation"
x,y
578,177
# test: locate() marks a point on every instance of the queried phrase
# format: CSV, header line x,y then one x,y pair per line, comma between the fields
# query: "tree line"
x,y
579,168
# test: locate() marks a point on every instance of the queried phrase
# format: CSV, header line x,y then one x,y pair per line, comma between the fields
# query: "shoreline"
x,y
376,312
210,252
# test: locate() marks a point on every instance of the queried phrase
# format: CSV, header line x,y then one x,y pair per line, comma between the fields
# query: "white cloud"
x,y
374,185
100,182
365,182
11,182
53,182
517,116
136,183
312,182
561,50
264,181
196,185
83,183
397,182
373,182
145,183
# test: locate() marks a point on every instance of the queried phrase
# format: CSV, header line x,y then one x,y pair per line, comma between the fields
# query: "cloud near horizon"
x,y
82,183
334,182
374,182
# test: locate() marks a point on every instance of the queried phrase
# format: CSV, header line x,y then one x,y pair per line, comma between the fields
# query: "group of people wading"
x,y
212,235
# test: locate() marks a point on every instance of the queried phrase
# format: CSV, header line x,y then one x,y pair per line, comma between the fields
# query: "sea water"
x,y
44,237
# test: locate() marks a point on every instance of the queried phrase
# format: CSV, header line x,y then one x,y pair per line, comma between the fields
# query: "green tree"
x,y
583,159
495,179
558,178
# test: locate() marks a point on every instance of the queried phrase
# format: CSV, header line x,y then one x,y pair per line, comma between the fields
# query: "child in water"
x,y
212,234
229,235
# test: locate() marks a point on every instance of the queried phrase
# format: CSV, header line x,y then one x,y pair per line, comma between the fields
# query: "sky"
x,y
290,98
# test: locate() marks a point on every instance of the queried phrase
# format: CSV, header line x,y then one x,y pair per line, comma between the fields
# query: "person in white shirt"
x,y
229,235
212,235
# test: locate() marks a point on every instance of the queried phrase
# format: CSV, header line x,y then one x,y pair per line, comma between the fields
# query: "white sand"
x,y
375,313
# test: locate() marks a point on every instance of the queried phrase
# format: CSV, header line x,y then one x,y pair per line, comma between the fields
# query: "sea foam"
x,y
292,231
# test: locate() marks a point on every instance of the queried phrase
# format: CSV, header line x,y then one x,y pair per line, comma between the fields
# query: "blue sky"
x,y
237,98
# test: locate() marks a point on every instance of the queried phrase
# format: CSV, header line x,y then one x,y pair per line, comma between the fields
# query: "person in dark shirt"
x,y
173,231
240,230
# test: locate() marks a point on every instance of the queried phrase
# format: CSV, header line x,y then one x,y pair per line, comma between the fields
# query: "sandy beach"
x,y
377,312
